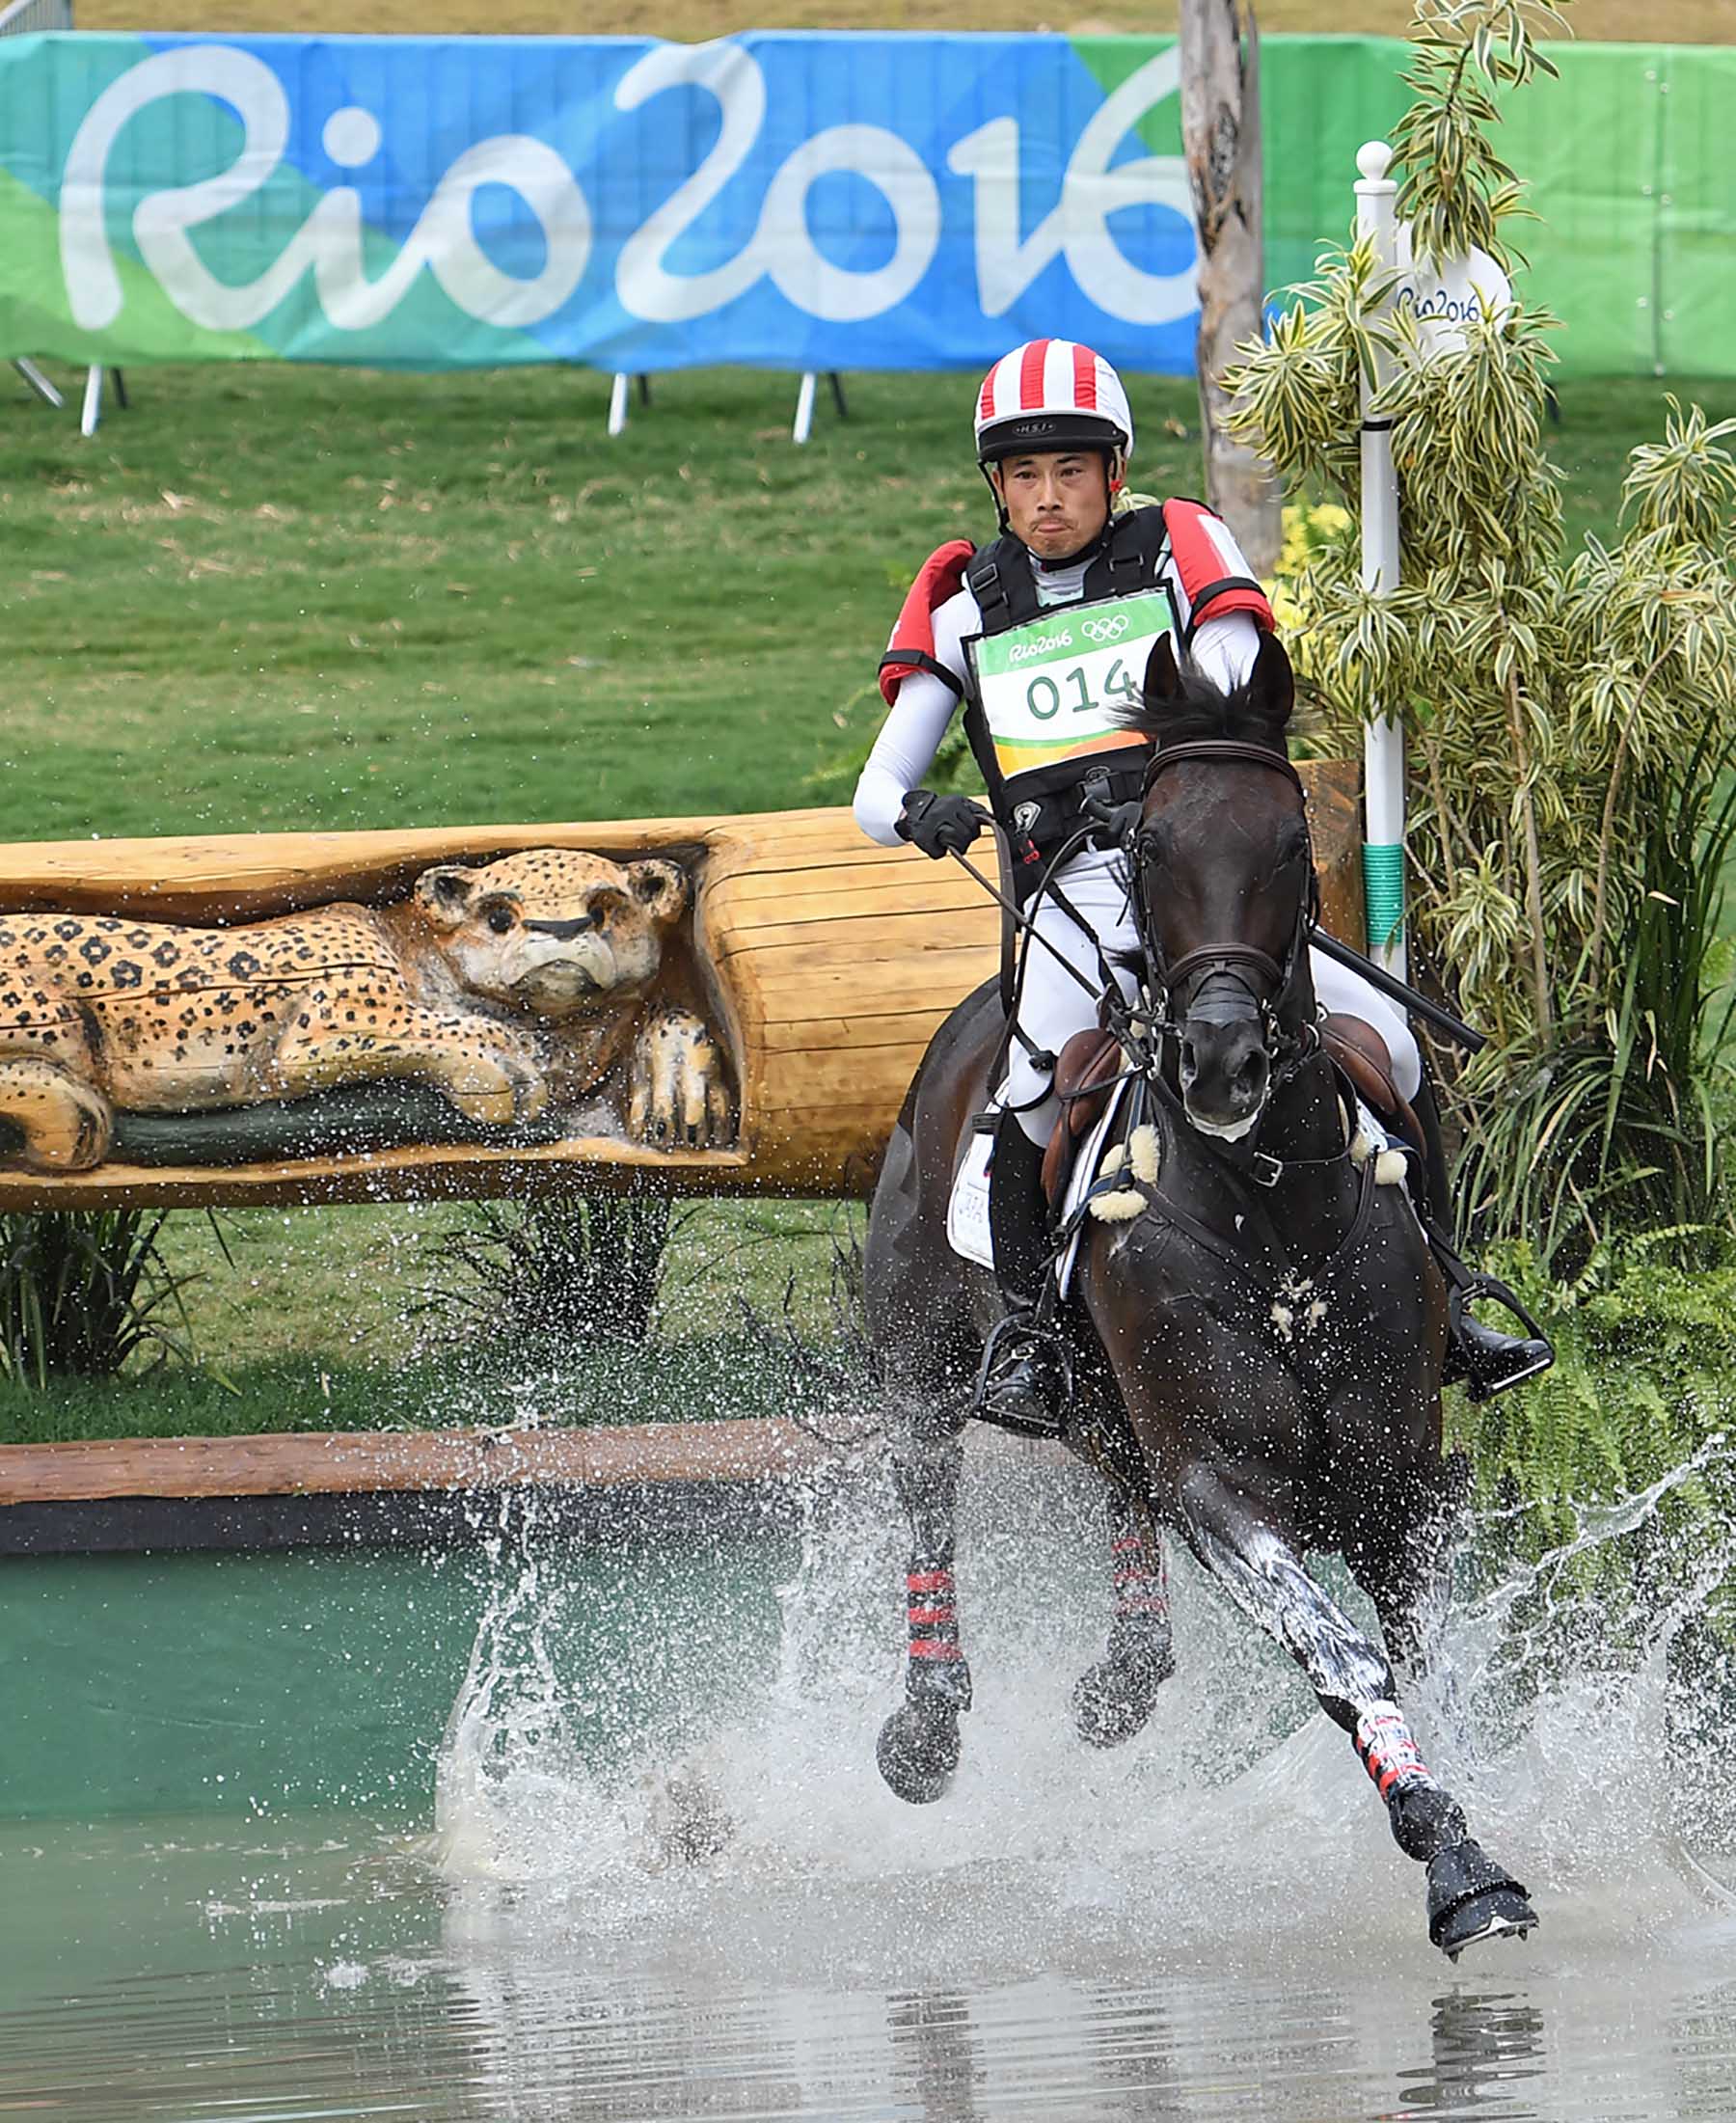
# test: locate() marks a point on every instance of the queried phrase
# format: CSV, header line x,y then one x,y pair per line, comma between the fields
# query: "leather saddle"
x,y
1085,1073
1088,1065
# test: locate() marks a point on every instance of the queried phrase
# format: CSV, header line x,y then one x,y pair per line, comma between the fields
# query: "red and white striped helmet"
x,y
1052,394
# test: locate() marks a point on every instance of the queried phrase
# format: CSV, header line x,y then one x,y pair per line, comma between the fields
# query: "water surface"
x,y
599,1836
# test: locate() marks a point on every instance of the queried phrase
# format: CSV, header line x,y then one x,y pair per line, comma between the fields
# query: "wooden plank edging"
x,y
370,1462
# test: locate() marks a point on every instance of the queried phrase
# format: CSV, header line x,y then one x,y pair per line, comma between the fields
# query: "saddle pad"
x,y
967,1208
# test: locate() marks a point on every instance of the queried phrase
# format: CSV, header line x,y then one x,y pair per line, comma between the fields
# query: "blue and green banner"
x,y
788,200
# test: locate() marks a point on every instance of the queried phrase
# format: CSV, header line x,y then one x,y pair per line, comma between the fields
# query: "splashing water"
x,y
757,1837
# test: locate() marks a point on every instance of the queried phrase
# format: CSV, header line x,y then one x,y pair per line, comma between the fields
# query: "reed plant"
x,y
539,1280
84,1291
1570,717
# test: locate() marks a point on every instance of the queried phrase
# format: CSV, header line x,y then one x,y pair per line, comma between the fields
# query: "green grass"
x,y
692,21
276,597
293,597
314,1319
694,1379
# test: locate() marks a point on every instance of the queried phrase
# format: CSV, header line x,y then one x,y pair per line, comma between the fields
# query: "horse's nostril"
x,y
1250,1076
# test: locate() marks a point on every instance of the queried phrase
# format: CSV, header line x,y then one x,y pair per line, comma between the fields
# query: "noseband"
x,y
1272,977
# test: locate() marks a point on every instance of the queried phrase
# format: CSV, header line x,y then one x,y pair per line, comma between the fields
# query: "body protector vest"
x,y
1045,683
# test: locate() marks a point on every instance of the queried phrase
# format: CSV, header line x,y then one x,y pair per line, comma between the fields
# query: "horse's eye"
x,y
500,919
1293,845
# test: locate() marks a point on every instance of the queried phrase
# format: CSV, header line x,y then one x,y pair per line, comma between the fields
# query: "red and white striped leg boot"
x,y
1115,1698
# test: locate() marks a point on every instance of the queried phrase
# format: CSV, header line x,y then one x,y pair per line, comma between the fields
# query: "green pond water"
x,y
551,1829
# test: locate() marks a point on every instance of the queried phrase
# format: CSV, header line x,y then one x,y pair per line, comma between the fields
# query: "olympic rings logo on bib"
x,y
1107,629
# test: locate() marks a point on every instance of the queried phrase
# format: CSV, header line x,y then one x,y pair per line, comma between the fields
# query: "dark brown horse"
x,y
1259,1338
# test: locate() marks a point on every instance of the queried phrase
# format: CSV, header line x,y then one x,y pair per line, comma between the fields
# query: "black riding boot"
x,y
1026,1373
1486,1361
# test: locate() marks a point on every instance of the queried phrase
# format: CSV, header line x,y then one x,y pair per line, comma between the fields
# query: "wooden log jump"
x,y
827,964
350,1462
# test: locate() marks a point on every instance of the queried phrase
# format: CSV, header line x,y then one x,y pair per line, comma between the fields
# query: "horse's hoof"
x,y
1114,1699
918,1751
1471,1898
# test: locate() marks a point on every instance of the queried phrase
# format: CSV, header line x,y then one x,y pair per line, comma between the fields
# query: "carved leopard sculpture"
x,y
504,986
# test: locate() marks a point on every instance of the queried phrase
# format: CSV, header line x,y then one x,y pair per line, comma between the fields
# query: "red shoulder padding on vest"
x,y
1213,572
912,644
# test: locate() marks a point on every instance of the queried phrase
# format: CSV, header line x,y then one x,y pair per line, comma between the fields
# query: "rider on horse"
x,y
1053,434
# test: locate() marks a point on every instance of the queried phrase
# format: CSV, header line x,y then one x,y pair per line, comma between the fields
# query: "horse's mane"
x,y
1201,708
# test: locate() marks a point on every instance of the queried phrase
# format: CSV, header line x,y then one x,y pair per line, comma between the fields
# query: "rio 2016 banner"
x,y
802,202
788,200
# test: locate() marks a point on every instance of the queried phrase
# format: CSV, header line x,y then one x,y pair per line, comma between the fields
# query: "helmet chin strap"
x,y
1001,507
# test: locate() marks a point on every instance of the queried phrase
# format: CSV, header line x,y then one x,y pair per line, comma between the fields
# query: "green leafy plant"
x,y
1606,1489
1570,719
536,1280
1457,192
83,1291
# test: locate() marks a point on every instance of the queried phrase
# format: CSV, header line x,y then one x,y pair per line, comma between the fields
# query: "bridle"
x,y
1266,982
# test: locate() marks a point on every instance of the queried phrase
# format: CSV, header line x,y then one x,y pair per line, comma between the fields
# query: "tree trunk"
x,y
1220,131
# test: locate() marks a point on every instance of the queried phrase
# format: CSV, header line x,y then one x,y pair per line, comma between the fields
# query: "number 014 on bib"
x,y
1057,686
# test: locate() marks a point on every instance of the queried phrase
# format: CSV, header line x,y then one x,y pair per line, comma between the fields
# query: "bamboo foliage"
x,y
1456,191
1570,719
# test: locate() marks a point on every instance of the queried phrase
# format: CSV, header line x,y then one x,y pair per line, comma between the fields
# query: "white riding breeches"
x,y
1053,1006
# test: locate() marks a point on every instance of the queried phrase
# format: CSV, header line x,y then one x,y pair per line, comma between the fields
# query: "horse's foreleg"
x,y
918,1748
1404,1567
1470,1897
1114,1698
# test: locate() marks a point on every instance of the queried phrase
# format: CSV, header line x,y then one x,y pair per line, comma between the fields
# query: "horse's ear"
x,y
1271,683
1162,675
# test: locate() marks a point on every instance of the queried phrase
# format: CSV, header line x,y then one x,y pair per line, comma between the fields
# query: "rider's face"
x,y
1055,504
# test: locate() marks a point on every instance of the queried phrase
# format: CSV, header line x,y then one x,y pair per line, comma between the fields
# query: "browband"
x,y
1226,749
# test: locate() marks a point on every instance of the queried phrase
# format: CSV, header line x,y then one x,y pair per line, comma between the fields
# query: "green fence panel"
x,y
1588,146
1696,295
1629,161
1320,99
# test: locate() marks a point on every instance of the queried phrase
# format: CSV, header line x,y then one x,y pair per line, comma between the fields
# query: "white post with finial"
x,y
1383,741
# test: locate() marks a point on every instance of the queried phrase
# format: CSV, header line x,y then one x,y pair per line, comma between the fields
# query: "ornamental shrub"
x,y
1570,719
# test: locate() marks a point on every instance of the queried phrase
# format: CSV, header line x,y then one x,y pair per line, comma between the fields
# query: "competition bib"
x,y
1054,686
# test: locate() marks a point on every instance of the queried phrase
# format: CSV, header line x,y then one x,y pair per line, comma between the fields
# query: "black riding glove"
x,y
940,825
1121,821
